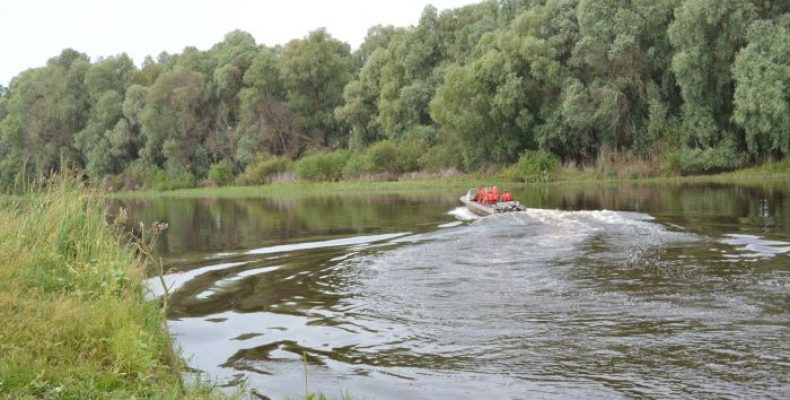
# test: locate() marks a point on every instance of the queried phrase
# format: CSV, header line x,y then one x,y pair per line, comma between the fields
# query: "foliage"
x,y
762,99
173,121
441,157
220,173
713,159
385,158
262,169
314,71
162,180
534,166
322,166
136,176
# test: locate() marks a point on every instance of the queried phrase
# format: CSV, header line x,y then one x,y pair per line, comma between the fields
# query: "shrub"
x,y
441,157
671,163
711,160
163,181
136,176
355,166
534,166
263,167
384,157
220,173
410,153
322,166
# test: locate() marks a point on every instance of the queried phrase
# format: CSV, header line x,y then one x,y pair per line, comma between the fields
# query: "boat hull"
x,y
477,208
485,209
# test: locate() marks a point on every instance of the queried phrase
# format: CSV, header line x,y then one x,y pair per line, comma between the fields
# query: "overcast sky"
x,y
32,31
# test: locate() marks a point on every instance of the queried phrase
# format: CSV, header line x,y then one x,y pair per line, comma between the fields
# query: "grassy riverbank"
x,y
775,171
73,321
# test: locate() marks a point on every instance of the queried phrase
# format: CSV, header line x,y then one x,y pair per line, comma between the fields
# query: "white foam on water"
x,y
224,284
451,224
349,241
463,214
176,280
756,246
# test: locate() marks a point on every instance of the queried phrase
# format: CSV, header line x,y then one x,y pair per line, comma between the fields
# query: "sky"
x,y
32,31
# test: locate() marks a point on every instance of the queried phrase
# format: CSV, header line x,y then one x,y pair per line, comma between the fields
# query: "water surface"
x,y
648,291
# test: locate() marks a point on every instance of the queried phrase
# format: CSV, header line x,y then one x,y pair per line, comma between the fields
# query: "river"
x,y
596,291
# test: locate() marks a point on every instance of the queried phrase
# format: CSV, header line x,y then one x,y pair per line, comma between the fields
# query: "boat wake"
x,y
535,288
463,214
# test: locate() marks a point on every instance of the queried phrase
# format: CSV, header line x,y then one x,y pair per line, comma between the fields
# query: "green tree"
x,y
707,35
378,37
147,75
360,108
3,102
174,124
492,103
105,82
93,141
621,52
46,108
266,122
314,72
229,60
762,93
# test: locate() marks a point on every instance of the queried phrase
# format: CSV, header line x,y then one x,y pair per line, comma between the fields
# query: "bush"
x,y
441,157
263,167
384,157
711,160
356,166
136,176
220,173
411,152
322,166
534,166
163,181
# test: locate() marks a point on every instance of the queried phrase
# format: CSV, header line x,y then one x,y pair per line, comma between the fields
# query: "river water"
x,y
624,291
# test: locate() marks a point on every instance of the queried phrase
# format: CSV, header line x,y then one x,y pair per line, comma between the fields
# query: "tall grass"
x,y
73,320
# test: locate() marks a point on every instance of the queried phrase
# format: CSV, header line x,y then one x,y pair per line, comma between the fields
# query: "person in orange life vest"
x,y
507,196
481,195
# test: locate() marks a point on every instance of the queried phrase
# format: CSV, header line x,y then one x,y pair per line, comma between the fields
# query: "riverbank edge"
x,y
755,175
74,322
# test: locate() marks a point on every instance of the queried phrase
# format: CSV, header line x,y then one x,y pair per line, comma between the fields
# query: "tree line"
x,y
702,84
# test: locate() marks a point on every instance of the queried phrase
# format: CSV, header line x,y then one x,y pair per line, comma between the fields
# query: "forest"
x,y
697,86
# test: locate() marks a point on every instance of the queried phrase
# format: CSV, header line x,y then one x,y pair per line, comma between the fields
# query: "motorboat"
x,y
488,201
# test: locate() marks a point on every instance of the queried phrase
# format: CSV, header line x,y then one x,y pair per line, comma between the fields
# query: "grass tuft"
x,y
73,320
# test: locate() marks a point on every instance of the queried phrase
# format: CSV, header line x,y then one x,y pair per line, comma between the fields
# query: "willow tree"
x,y
762,92
265,122
314,72
492,103
706,35
619,57
229,61
46,107
174,122
105,82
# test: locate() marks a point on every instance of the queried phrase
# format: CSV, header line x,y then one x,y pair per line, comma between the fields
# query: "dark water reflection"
x,y
679,291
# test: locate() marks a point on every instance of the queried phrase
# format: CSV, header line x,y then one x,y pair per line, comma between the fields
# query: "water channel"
x,y
597,291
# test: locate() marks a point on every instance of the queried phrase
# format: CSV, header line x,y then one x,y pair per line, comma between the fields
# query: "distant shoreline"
x,y
764,173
